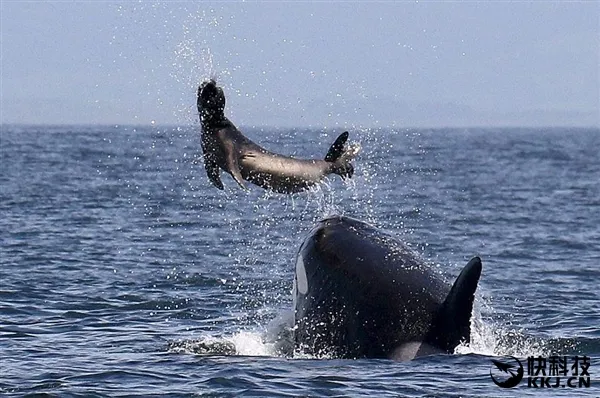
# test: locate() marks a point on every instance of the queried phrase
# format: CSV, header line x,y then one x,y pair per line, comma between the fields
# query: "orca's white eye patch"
x,y
301,281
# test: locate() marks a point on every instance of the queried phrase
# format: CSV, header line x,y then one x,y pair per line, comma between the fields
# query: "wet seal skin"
x,y
226,148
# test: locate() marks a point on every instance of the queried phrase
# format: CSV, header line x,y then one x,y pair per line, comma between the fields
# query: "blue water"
x,y
124,272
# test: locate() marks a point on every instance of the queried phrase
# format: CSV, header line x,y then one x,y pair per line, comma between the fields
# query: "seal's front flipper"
x,y
237,176
212,171
234,167
210,163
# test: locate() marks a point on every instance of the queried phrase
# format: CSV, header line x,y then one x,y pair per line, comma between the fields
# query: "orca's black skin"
x,y
225,147
360,293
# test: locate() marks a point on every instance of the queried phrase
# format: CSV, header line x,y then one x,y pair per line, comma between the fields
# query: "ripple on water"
x,y
123,272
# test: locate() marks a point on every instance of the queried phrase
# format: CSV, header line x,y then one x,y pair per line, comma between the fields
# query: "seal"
x,y
361,293
225,147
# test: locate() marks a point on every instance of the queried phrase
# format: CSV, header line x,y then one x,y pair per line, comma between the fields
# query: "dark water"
x,y
124,272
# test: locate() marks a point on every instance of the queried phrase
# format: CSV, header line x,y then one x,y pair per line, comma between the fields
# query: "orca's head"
x,y
211,100
339,237
331,244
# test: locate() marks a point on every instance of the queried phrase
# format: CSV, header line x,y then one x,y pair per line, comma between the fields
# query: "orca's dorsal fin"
x,y
453,323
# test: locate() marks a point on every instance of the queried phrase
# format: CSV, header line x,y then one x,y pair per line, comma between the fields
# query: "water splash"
x,y
194,60
492,338
181,37
274,340
267,248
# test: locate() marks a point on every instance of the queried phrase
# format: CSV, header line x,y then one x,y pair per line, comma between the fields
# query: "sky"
x,y
303,64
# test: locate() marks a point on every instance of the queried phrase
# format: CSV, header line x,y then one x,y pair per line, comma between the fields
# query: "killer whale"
x,y
361,293
226,148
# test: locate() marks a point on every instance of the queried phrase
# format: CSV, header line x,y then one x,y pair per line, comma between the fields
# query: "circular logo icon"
x,y
506,372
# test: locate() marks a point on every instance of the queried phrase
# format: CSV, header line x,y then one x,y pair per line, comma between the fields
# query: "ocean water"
x,y
123,272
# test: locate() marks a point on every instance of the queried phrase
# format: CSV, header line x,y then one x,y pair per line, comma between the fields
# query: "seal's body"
x,y
225,147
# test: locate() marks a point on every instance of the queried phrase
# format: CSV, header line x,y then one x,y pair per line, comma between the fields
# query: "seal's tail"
x,y
341,155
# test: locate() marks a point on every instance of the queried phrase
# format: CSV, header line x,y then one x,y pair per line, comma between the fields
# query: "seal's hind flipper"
x,y
341,155
337,148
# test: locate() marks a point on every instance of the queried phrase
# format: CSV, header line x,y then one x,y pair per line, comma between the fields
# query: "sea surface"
x,y
124,272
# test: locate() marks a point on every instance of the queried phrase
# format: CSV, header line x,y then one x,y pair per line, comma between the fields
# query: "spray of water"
x,y
266,326
188,35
